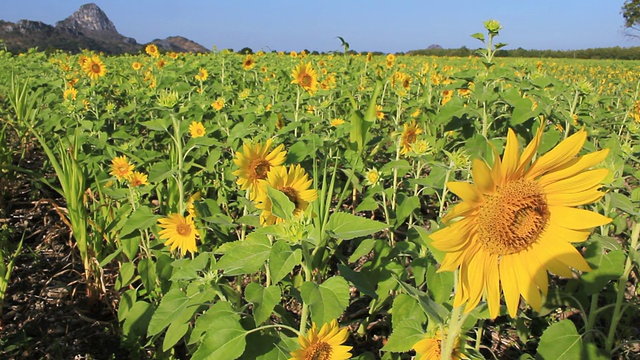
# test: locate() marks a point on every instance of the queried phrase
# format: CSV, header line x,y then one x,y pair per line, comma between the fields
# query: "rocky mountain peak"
x,y
88,18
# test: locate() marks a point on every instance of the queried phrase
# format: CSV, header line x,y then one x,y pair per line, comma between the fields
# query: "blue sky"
x,y
368,25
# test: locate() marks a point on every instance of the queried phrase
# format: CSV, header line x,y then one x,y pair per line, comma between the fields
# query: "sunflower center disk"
x,y
305,80
319,351
183,229
512,219
260,168
291,193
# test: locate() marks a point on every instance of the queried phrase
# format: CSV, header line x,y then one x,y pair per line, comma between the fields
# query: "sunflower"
x,y
218,104
179,232
248,62
379,113
202,75
430,348
120,167
305,76
337,122
94,67
191,208
409,136
372,177
293,182
325,345
136,65
137,179
197,129
518,220
447,95
152,50
70,93
254,162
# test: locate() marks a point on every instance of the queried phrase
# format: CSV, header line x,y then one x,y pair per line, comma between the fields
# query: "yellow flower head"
x,y
218,104
409,136
293,182
136,65
197,129
137,179
518,220
248,62
191,208
379,112
372,177
70,93
430,348
325,344
337,122
305,76
179,233
120,167
202,75
94,68
254,162
152,50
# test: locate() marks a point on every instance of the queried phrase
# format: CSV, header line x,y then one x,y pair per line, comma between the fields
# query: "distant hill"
x,y
87,28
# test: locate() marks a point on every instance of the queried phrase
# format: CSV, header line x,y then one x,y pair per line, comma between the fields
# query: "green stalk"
x,y
5,272
622,282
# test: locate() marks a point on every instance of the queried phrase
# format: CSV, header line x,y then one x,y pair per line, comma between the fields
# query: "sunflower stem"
x,y
450,336
295,114
622,282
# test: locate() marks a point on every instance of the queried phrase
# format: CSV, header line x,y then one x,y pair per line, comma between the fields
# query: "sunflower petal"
x,y
482,176
466,191
577,219
577,183
576,166
530,151
575,199
511,156
558,156
510,287
492,284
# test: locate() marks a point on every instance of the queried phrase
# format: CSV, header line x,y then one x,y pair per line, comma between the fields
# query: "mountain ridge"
x,y
88,28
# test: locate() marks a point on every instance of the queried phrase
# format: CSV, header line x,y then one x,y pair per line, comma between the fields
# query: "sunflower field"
x,y
332,206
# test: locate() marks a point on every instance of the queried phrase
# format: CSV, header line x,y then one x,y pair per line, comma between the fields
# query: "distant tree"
x,y
245,51
631,15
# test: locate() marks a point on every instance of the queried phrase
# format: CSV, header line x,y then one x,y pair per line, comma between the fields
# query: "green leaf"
x,y
434,311
246,257
265,346
404,336
224,339
406,205
363,249
606,266
219,309
147,271
159,172
439,284
479,36
174,333
623,203
326,301
560,341
176,307
347,226
282,260
406,307
281,205
136,321
263,299
141,219
125,275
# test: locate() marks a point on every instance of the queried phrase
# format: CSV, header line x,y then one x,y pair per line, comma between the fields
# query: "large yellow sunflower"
x,y
196,129
152,50
254,162
518,220
324,345
294,182
120,167
179,232
409,136
248,62
94,67
430,348
305,76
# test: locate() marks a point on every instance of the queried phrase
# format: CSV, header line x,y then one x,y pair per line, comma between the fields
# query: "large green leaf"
x,y
328,300
141,219
263,299
224,339
177,307
560,341
281,205
404,308
347,226
246,257
282,260
404,336
606,266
